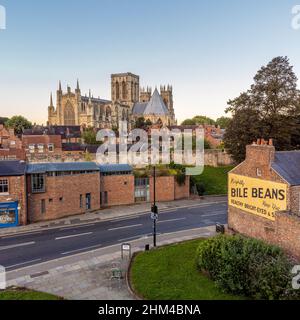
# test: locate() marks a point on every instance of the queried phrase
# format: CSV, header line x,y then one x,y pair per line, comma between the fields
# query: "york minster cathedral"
x,y
128,102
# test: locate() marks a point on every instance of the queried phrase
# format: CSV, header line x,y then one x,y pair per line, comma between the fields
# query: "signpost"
x,y
154,209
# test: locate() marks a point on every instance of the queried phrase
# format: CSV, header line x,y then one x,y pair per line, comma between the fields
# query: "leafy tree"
x,y
140,123
223,122
3,120
198,120
18,123
89,136
189,122
269,109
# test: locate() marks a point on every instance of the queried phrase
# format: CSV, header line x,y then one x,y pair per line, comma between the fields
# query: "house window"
x,y
51,147
31,148
43,206
40,148
4,186
38,183
258,172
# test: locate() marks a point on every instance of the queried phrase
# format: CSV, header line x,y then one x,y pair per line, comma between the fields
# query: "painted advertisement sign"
x,y
256,196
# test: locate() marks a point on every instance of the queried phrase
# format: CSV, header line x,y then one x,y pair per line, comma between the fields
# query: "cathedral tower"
x,y
125,88
146,94
167,96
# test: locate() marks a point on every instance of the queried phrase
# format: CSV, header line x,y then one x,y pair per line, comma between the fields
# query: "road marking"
x,y
74,235
23,263
17,245
200,206
78,250
77,227
21,235
171,220
135,237
213,214
126,227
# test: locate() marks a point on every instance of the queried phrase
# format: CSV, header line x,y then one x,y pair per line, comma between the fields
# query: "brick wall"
x,y
285,230
216,158
120,189
17,192
182,191
67,188
165,187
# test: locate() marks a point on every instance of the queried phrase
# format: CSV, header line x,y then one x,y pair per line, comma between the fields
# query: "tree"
x,y
3,120
198,120
89,136
18,123
223,122
140,123
270,109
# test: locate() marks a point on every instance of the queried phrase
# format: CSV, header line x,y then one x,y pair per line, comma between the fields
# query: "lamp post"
x,y
154,208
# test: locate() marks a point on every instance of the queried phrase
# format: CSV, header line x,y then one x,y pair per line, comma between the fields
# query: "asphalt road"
x,y
19,251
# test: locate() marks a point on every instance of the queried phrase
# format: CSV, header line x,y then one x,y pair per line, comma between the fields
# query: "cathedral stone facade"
x,y
128,102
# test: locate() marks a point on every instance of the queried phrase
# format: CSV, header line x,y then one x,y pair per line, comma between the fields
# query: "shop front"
x,y
9,214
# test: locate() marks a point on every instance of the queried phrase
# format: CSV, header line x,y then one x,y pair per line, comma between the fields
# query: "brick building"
x,y
10,145
57,190
264,196
13,204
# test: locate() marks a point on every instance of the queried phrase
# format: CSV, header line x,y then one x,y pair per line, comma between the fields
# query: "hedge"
x,y
247,267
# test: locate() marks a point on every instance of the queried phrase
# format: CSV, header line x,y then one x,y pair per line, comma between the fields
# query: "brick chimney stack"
x,y
261,152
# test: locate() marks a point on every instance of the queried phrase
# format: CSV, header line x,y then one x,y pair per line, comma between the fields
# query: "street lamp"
x,y
154,209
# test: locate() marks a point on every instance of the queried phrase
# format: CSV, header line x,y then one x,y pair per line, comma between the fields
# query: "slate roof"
x,y
287,165
61,166
63,131
139,108
12,168
156,105
109,168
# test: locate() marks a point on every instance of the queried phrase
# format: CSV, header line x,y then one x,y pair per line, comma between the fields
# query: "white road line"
x,y
171,220
200,206
135,237
126,227
74,235
17,245
213,214
23,263
21,235
77,227
83,249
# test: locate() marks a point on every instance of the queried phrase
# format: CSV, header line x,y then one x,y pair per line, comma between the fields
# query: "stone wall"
x,y
217,158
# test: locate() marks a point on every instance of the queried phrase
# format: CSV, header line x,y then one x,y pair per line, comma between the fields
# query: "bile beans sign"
x,y
256,196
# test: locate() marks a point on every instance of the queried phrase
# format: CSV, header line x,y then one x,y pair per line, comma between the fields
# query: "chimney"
x,y
260,153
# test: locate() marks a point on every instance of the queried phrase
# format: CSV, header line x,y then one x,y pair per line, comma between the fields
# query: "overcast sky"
x,y
208,50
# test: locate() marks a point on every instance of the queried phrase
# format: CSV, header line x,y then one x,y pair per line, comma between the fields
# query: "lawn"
x,y
214,180
24,294
170,273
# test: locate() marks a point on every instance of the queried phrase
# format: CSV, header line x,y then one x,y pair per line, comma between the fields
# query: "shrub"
x,y
246,267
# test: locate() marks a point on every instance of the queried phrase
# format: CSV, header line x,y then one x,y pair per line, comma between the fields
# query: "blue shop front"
x,y
9,214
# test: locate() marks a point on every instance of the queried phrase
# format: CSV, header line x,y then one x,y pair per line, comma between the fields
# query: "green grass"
x,y
170,273
214,180
24,294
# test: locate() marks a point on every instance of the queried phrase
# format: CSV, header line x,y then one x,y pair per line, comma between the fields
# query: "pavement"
x,y
88,276
74,258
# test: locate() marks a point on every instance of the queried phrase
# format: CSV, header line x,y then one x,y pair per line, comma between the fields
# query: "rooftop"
x,y
12,168
61,166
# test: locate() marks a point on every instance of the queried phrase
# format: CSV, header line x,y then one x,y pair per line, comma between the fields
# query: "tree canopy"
x,y
198,120
18,123
269,109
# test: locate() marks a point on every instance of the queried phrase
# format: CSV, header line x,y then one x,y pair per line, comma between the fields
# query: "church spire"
x,y
51,100
59,87
78,88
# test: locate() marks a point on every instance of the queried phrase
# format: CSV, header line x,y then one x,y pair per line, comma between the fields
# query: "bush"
x,y
247,267
200,188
